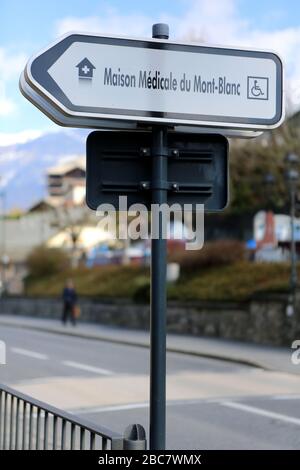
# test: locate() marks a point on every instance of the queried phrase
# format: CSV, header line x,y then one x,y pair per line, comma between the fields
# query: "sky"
x,y
28,26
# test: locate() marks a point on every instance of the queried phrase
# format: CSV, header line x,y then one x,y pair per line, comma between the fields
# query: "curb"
x,y
140,344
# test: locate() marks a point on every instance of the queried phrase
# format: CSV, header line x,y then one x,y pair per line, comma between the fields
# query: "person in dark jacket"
x,y
69,297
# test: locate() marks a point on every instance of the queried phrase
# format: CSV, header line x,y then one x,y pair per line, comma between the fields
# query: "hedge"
x,y
237,281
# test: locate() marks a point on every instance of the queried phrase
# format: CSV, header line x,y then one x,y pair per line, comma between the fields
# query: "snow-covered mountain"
x,y
23,166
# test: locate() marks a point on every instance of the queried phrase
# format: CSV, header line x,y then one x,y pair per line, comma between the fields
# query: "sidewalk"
x,y
266,357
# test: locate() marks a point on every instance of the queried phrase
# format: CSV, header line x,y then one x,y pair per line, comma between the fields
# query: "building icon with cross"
x,y
85,69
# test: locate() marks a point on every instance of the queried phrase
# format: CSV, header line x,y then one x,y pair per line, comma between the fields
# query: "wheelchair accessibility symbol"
x,y
257,88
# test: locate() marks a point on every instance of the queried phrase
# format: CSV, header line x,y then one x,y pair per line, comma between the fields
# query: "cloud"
x,y
7,107
10,65
21,137
10,69
213,21
213,18
111,22
209,21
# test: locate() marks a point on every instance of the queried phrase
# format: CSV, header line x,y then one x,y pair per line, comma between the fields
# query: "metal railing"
x,y
26,423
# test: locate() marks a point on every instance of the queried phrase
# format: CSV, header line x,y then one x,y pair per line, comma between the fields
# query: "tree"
x,y
72,220
43,261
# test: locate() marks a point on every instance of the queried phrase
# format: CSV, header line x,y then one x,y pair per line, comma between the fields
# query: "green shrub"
x,y
141,292
235,281
99,281
43,261
218,253
238,281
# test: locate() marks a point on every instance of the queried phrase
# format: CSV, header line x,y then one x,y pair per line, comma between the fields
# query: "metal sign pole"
x,y
158,283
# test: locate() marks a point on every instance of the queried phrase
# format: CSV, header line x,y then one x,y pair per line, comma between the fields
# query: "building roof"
x,y
44,204
40,206
66,167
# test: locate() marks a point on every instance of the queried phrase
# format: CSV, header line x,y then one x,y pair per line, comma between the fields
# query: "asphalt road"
x,y
211,404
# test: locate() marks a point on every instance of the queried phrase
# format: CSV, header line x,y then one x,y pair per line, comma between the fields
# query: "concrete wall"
x,y
27,232
260,320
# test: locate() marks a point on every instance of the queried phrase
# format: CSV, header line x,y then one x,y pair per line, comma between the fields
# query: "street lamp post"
x,y
292,178
269,182
293,241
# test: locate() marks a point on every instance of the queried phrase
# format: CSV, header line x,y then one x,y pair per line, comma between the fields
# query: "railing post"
x,y
117,443
24,425
17,424
4,421
135,437
1,417
46,430
11,425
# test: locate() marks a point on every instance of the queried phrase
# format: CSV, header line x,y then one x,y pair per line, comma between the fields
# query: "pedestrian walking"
x,y
69,297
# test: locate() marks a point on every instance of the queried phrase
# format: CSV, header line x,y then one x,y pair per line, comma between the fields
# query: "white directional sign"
x,y
56,116
93,78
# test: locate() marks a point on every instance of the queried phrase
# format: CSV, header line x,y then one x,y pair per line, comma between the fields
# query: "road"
x,y
212,404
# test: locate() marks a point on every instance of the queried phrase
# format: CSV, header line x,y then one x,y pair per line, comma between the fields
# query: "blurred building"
x,y
66,183
20,236
272,233
48,220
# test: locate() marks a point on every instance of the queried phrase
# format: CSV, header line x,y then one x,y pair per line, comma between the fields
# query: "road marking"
x,y
86,367
135,406
286,397
26,352
261,412
103,409
129,406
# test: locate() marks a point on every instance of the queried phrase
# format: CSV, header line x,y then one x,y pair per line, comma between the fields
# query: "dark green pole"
x,y
293,280
158,283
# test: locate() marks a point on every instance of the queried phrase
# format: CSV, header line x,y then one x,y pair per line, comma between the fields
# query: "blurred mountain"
x,y
23,166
